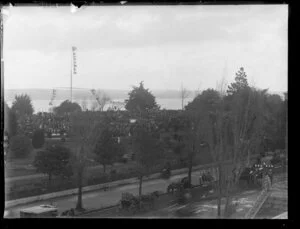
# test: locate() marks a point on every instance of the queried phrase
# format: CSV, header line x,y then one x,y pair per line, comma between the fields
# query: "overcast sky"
x,y
119,46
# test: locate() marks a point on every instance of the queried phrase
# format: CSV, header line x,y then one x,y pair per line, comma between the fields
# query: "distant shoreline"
x,y
79,94
40,105
63,94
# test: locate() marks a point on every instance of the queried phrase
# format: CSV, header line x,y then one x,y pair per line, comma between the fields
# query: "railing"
x,y
258,204
260,200
281,216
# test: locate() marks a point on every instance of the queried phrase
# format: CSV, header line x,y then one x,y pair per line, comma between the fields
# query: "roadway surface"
x,y
208,208
99,198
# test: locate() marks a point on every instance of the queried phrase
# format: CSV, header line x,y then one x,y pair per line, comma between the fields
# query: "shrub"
x,y
20,146
49,134
38,139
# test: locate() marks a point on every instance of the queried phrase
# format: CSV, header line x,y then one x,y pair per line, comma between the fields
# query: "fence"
x,y
265,193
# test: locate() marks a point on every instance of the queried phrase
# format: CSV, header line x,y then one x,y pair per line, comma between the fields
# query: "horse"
x,y
174,187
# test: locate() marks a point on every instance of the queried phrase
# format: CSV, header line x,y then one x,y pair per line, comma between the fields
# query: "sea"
x,y
164,103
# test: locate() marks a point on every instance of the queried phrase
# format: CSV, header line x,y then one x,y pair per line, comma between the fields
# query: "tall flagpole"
x,y
71,72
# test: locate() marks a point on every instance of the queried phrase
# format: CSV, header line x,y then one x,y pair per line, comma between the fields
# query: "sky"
x,y
164,46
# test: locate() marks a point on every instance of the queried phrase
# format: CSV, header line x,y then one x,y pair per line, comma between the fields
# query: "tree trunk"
x,y
190,171
219,189
79,197
50,179
228,201
140,185
104,168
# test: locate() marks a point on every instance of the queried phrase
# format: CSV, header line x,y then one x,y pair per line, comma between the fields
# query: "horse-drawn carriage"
x,y
254,175
131,204
179,185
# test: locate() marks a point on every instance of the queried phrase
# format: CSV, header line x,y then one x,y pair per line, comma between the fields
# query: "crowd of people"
x,y
49,122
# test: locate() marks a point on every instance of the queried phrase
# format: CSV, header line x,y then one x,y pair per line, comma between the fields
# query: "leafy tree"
x,y
53,161
275,122
140,99
206,101
106,149
83,131
38,138
20,146
240,82
148,152
67,107
22,105
10,121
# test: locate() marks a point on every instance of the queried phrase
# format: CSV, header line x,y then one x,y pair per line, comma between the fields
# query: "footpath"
x,y
42,176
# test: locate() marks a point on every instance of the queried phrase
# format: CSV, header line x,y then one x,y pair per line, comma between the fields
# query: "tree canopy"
x,y
20,146
67,107
206,101
38,138
240,83
22,105
107,148
10,121
148,152
54,160
140,99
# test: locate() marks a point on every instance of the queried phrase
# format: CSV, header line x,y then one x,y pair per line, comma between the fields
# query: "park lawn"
x,y
23,166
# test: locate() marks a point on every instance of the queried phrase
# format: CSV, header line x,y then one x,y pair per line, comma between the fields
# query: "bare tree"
x,y
94,106
184,93
101,98
222,86
198,91
229,134
84,104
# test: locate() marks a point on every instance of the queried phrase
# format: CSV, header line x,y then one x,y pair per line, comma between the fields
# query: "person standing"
x,y
201,179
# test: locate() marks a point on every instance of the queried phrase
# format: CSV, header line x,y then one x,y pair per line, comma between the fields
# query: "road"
x,y
207,208
99,198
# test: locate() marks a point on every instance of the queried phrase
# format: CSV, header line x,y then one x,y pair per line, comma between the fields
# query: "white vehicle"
x,y
42,211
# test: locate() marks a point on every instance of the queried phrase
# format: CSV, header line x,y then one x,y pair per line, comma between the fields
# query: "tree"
x,y
107,148
10,121
140,99
234,126
53,161
193,138
83,129
246,117
240,82
38,138
206,101
67,107
20,146
275,122
184,93
101,98
84,104
94,106
148,152
22,105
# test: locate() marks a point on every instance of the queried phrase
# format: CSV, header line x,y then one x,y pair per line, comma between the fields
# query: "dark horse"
x,y
134,203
